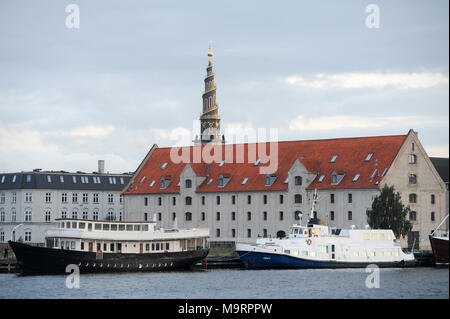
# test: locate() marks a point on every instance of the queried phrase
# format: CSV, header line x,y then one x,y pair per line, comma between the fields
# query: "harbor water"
x,y
393,283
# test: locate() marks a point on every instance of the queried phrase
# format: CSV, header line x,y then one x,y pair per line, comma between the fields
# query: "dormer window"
x,y
210,181
188,183
356,177
220,181
163,166
374,174
3,179
164,182
321,178
286,181
244,181
270,179
369,156
152,183
298,180
336,177
142,180
267,179
223,180
49,178
333,159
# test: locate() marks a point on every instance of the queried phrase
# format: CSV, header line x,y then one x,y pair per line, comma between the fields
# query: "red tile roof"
x,y
315,156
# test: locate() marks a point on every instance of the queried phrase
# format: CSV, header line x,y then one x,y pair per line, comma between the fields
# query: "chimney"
x,y
101,166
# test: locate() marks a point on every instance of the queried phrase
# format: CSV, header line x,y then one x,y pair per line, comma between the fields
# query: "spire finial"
x,y
210,54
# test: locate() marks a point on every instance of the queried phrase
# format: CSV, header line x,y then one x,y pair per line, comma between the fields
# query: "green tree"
x,y
388,212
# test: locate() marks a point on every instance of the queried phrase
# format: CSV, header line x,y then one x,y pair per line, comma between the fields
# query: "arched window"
x,y
412,198
188,216
188,183
298,199
28,215
297,215
2,215
188,200
298,180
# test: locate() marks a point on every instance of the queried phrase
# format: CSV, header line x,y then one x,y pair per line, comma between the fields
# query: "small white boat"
x,y
318,246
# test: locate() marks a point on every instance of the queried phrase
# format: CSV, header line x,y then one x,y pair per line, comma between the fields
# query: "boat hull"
x,y
440,249
260,260
32,260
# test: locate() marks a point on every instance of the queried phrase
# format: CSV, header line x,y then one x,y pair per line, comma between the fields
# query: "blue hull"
x,y
257,260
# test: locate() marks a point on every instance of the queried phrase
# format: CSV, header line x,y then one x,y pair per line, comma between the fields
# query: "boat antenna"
x,y
314,201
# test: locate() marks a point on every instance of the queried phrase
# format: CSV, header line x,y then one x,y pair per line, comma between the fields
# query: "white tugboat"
x,y
318,246
110,246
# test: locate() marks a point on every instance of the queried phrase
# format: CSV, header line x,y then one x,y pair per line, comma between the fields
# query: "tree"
x,y
388,212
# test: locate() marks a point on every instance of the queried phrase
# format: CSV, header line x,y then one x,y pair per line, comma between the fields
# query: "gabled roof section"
x,y
314,155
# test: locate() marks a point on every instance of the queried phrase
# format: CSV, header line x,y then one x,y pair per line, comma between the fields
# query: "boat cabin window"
x,y
74,225
144,227
296,231
67,224
374,236
137,228
72,245
121,227
82,225
111,246
67,245
129,227
113,227
89,226
98,227
381,236
105,226
62,244
61,225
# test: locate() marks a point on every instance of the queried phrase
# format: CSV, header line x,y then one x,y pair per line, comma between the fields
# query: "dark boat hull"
x,y
32,260
259,260
440,250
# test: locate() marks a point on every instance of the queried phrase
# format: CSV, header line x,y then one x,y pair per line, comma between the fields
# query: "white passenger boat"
x,y
110,246
318,246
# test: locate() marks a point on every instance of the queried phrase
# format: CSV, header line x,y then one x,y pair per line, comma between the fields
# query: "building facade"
x,y
31,201
238,203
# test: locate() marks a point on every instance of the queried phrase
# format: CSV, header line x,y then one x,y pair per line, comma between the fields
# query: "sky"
x,y
132,75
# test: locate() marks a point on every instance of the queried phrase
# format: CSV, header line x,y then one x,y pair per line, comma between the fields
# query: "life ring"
x,y
309,241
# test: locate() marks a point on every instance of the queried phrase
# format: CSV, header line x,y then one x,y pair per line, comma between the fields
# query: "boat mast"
x,y
443,221
314,201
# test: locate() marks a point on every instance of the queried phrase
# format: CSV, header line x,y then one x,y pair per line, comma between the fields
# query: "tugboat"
x,y
110,246
439,245
314,246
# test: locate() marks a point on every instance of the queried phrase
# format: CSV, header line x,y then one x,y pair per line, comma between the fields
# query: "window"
x,y
321,178
332,198
188,216
433,200
74,214
249,233
412,159
264,215
233,200
95,198
298,180
174,201
369,156
218,232
145,216
332,215
74,179
349,215
333,159
159,217
412,179
188,200
2,215
85,214
145,201
85,198
297,215
233,215
2,198
28,197
174,216
203,216
350,198
281,199
298,199
159,201
249,216
13,215
281,216
28,235
265,232
249,199
245,181
203,200
218,200
2,236
217,215
74,198
14,197
28,215
163,166
28,178
257,162
63,214
264,199
433,216
233,233
95,215
412,198
110,198
356,177
188,183
64,197
412,216
47,216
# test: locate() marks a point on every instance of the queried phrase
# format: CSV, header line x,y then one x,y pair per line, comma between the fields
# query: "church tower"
x,y
210,119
